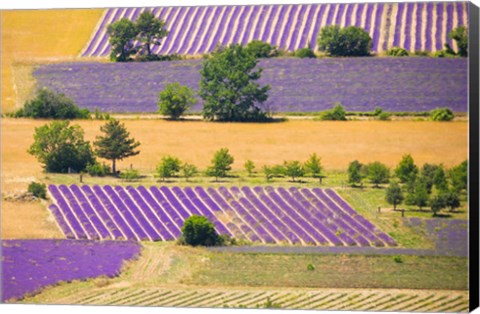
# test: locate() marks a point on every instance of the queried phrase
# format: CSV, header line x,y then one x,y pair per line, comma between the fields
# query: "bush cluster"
x,y
38,189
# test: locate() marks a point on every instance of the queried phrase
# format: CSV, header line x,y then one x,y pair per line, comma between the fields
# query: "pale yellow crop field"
x,y
29,36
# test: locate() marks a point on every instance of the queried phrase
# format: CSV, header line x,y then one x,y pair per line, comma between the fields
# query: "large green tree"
x,y
313,167
377,173
198,230
406,169
394,194
460,35
293,169
356,173
228,86
342,42
168,167
150,31
122,37
116,143
419,194
61,147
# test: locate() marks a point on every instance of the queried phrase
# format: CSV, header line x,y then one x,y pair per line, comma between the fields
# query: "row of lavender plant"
x,y
29,265
394,84
197,30
259,215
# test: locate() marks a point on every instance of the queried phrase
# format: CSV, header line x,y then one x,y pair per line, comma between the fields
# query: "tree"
x,y
116,144
397,52
314,167
293,169
440,179
221,164
343,42
260,49
61,147
460,35
228,86
38,190
377,173
451,200
273,171
150,31
355,173
394,195
418,195
121,37
437,203
198,230
428,175
406,169
249,167
168,167
48,104
175,99
189,171
459,177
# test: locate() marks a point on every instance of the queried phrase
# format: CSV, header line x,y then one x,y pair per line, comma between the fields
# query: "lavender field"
x,y
29,265
298,85
414,26
263,215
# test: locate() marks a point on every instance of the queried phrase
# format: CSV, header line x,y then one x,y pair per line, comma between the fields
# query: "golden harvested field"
x,y
338,143
34,35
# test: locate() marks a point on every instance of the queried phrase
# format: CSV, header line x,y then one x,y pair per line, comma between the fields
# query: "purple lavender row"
x,y
361,219
358,17
245,214
342,231
151,233
429,22
160,212
338,18
101,48
82,217
304,41
62,223
103,217
348,16
82,206
190,30
151,217
259,217
284,228
261,20
439,35
268,25
136,228
95,38
321,231
226,208
295,29
398,25
418,29
216,210
206,212
342,220
104,206
67,212
292,223
369,16
240,26
408,26
166,207
288,27
203,31
292,213
357,225
378,24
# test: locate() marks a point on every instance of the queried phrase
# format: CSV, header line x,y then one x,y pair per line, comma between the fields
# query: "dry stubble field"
x,y
338,143
29,36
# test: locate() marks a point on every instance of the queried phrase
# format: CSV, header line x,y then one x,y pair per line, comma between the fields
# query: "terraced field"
x,y
328,299
415,26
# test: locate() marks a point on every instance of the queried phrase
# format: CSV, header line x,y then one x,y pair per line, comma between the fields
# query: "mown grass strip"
x,y
456,308
181,302
434,307
168,302
299,303
352,304
235,297
423,306
319,306
361,306
392,299
389,306
195,302
151,296
416,303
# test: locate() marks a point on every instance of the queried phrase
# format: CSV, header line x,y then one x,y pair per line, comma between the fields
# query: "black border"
x,y
474,155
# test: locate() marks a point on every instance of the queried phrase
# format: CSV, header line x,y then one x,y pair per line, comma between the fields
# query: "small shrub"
x,y
398,259
421,53
441,114
98,169
261,49
249,167
130,175
384,116
38,190
269,304
305,53
49,104
310,267
397,52
338,113
198,230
